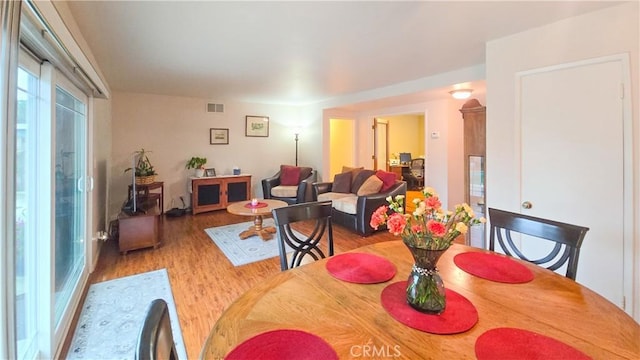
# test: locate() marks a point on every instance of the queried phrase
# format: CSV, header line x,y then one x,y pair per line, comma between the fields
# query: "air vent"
x,y
215,107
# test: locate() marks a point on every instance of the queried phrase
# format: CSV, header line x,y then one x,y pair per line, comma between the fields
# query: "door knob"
x,y
527,205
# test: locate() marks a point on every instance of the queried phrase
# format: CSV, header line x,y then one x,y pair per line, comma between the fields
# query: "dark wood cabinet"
x,y
138,231
215,193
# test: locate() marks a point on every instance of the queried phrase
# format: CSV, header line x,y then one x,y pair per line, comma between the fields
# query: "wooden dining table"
x,y
350,317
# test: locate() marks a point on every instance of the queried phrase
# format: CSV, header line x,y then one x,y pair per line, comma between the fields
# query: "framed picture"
x,y
257,126
210,172
219,136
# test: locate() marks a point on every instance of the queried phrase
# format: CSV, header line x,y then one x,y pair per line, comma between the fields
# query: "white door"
x,y
380,144
572,161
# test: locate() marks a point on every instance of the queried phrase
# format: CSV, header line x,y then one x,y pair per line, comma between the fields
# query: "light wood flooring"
x,y
203,281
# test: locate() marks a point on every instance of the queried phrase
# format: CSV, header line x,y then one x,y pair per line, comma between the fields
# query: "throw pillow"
x,y
289,175
388,179
372,185
354,172
342,183
362,176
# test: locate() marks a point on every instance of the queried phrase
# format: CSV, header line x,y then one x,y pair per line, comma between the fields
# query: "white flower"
x,y
461,227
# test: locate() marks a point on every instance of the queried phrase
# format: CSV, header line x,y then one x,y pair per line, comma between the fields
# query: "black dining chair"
x,y
568,239
155,341
305,247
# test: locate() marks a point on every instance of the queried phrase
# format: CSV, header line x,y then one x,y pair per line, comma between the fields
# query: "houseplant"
x,y
144,171
427,232
198,164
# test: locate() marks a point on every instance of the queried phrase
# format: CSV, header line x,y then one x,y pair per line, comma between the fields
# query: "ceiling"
x,y
298,52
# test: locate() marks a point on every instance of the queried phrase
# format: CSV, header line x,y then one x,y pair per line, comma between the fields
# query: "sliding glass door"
x,y
51,207
70,196
26,254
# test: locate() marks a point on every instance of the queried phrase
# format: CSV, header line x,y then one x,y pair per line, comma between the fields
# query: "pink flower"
x,y
416,228
378,217
396,223
432,202
437,228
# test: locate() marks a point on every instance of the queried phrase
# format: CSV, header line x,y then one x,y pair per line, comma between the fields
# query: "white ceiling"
x,y
297,52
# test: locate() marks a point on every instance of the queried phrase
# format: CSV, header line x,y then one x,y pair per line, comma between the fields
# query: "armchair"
x,y
291,184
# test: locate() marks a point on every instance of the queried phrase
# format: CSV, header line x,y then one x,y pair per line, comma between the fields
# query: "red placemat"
x,y
283,344
258,205
361,268
493,267
509,343
458,316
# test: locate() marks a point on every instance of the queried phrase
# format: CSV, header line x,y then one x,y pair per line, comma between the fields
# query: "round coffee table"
x,y
243,208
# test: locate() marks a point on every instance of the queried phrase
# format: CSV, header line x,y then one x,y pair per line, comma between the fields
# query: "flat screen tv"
x,y
405,158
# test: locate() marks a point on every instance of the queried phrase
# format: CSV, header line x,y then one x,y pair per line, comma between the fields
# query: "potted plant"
x,y
198,164
144,171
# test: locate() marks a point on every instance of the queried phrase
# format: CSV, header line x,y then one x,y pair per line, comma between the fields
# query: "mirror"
x,y
476,198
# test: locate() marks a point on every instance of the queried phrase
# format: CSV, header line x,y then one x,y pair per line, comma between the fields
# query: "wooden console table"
x,y
215,193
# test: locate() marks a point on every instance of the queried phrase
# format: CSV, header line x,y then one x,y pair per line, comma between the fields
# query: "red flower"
x,y
396,223
437,228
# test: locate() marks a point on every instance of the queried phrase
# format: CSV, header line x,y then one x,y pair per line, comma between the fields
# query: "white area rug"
x,y
251,249
113,313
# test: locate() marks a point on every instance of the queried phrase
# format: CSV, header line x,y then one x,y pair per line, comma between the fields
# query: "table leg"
x,y
265,233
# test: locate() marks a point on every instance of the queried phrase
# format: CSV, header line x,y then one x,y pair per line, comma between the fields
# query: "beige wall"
x,y
101,140
176,128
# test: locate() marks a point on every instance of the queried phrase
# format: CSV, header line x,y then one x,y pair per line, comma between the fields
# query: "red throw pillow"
x,y
289,175
388,179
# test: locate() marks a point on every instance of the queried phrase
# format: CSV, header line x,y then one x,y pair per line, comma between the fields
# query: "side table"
x,y
144,192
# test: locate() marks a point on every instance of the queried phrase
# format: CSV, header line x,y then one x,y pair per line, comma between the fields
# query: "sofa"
x,y
292,184
355,194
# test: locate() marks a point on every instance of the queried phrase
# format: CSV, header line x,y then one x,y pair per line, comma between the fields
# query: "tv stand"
x,y
215,193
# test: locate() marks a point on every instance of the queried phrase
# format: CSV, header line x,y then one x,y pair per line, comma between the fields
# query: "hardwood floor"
x,y
203,281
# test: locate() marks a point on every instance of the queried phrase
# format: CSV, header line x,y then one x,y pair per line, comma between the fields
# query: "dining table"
x,y
352,320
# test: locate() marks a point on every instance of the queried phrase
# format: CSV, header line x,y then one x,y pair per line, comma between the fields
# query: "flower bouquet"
x,y
427,232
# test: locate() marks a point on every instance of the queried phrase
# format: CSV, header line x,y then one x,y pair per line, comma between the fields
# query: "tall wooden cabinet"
x,y
214,193
474,117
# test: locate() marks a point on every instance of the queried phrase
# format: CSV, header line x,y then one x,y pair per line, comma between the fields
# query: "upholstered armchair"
x,y
291,184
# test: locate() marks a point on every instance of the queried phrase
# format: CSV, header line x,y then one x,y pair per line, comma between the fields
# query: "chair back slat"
x,y
155,340
304,246
567,238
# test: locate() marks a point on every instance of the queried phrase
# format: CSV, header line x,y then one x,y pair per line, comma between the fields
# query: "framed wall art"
x,y
218,136
257,126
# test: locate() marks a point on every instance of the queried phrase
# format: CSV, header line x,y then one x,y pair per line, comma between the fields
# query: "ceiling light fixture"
x,y
461,93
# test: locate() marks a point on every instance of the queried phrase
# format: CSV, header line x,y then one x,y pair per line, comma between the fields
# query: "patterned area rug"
x,y
113,313
251,249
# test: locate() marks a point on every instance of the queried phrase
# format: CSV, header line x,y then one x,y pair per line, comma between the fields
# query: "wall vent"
x,y
215,107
